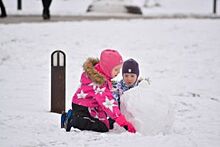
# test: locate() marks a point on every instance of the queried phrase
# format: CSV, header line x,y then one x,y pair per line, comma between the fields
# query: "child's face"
x,y
129,78
116,70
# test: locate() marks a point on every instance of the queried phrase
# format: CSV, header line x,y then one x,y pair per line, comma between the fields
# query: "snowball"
x,y
149,111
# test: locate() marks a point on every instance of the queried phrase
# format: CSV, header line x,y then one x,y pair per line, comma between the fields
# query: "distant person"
x,y
3,11
46,9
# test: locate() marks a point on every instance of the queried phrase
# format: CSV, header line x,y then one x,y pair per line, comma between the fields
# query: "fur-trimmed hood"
x,y
92,72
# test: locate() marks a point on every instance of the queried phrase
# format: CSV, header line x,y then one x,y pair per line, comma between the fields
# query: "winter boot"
x,y
4,14
46,14
63,118
68,121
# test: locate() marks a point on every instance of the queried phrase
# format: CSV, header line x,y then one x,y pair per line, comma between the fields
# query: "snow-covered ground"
x,y
181,57
79,7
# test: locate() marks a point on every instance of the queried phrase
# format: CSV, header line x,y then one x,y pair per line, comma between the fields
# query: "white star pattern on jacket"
x,y
96,116
81,95
109,103
94,85
99,90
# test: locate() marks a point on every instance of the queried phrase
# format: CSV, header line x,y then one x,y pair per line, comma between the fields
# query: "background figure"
x,y
3,13
46,9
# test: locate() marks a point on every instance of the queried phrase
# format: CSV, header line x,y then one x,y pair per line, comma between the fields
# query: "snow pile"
x,y
150,111
106,6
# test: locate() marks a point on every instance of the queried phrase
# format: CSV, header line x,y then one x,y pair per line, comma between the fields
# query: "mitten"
x,y
121,120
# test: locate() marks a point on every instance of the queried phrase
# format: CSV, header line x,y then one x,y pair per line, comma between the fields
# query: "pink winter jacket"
x,y
95,93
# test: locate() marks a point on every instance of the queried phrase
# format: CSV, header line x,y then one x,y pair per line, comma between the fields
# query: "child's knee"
x,y
86,123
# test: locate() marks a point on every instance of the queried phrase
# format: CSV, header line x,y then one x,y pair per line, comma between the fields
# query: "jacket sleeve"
x,y
118,91
105,99
116,95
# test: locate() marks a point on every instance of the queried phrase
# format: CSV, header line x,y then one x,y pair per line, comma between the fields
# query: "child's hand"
x,y
121,120
130,128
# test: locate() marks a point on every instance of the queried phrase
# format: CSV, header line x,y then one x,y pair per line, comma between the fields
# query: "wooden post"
x,y
58,81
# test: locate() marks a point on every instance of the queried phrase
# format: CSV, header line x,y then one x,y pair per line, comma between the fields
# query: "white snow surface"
x,y
150,111
181,58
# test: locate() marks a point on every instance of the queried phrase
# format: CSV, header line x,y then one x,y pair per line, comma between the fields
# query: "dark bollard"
x,y
19,4
214,6
58,70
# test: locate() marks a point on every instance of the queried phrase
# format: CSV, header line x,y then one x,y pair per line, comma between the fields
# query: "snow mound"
x,y
151,112
107,6
114,6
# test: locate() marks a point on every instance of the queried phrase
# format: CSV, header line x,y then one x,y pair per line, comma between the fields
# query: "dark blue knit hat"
x,y
130,66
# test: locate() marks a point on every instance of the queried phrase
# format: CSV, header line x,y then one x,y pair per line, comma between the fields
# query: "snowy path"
x,y
13,19
181,57
79,7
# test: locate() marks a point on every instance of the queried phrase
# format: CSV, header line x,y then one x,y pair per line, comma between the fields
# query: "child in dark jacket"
x,y
130,74
93,102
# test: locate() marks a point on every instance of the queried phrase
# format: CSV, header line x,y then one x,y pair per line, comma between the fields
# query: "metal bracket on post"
x,y
58,81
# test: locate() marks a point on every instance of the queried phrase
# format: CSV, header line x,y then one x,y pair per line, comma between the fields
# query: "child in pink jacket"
x,y
93,102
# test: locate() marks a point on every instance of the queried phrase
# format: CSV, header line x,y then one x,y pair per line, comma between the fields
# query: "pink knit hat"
x,y
108,60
